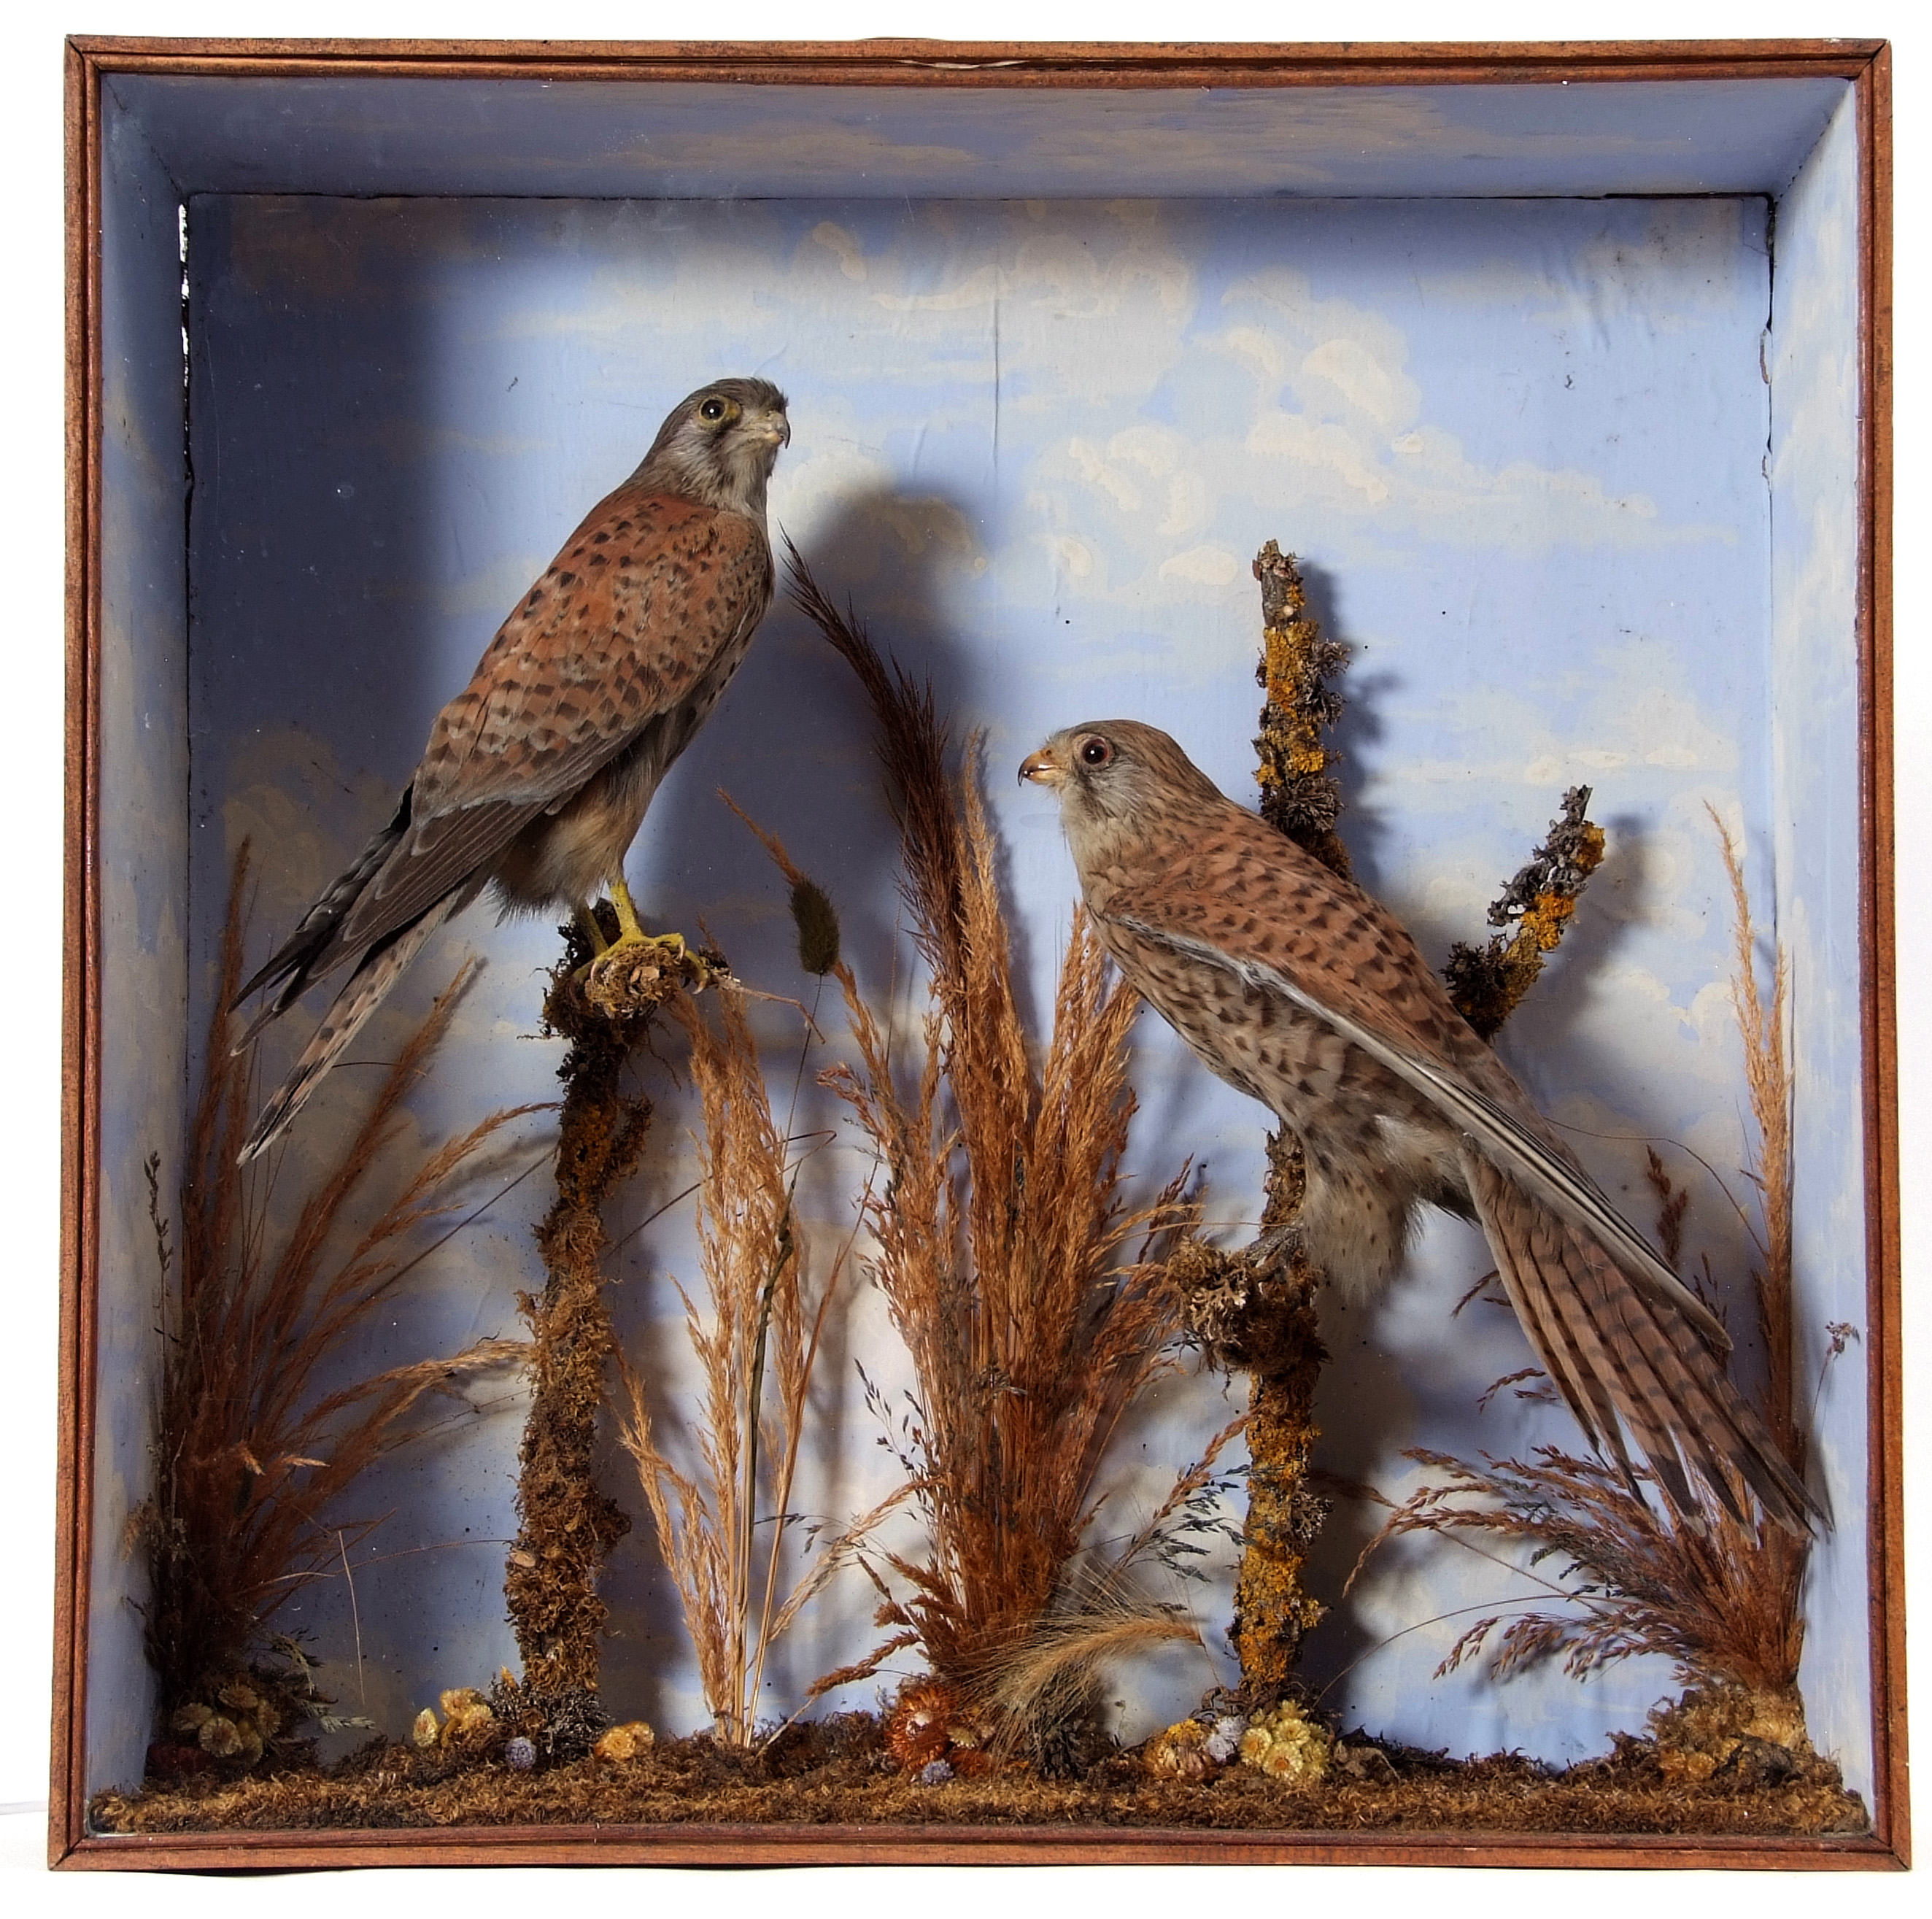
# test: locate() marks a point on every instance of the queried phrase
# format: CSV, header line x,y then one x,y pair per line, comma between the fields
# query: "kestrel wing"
x,y
643,599
1246,900
1613,1353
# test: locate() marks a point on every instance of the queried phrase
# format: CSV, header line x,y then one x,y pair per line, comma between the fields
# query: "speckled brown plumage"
x,y
1292,984
537,774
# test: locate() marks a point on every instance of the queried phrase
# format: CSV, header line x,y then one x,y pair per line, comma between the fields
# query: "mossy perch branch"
x,y
567,1525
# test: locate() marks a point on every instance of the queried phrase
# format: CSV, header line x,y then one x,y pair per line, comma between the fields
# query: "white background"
x,y
30,779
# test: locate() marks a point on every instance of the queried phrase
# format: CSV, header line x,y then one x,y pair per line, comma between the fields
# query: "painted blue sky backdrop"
x,y
1520,447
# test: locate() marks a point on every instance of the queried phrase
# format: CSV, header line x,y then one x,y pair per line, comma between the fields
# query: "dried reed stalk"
x,y
250,1458
1718,1597
1003,1229
759,1319
1767,1082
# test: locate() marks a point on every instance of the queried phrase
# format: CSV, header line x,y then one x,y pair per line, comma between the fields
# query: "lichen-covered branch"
x,y
1487,983
1300,795
1257,1315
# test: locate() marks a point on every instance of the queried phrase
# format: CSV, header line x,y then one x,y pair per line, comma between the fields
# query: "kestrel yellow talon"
x,y
630,928
636,972
669,947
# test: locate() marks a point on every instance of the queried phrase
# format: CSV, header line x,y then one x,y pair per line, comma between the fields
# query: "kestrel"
x,y
537,774
1290,984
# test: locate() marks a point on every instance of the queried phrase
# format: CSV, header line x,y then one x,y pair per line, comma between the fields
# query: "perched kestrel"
x,y
537,774
1290,984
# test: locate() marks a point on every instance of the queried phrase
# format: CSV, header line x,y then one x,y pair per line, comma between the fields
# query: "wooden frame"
x,y
91,62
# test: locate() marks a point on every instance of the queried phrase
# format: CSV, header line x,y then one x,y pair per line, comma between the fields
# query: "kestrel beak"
x,y
775,429
1044,768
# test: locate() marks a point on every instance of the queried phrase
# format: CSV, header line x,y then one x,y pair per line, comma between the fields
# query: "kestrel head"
x,y
719,445
1116,778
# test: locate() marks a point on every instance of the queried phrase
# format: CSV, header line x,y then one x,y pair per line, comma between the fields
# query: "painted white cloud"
x,y
1335,430
1631,703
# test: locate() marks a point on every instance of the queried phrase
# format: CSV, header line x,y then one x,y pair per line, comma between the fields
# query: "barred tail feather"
x,y
367,988
313,948
1623,1358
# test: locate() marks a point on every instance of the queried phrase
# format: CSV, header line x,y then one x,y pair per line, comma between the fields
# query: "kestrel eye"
x,y
711,409
1096,753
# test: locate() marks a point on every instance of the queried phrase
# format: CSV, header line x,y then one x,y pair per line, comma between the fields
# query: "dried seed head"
x,y
817,920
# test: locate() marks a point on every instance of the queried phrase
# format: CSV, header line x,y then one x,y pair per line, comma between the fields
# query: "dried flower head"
x,y
1179,1752
917,1729
625,1742
1287,1745
221,1737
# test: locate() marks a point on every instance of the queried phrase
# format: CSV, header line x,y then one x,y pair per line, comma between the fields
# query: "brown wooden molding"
x,y
80,986
909,63
961,1845
1885,1585
999,63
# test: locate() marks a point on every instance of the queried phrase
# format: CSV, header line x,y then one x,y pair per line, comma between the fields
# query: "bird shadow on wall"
x,y
792,744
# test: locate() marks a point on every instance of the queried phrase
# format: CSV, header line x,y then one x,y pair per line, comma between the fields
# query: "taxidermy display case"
x,y
852,1384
